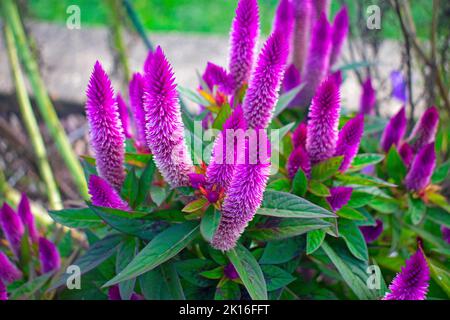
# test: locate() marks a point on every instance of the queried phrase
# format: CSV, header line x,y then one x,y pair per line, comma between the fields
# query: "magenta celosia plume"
x,y
425,130
123,115
303,10
48,256
322,7
323,122
291,78
8,271
262,93
412,282
419,175
317,63
106,133
136,91
406,153
339,197
243,39
339,34
25,214
164,128
298,159
148,60
284,19
371,233
299,135
348,141
368,98
103,195
12,227
394,131
217,76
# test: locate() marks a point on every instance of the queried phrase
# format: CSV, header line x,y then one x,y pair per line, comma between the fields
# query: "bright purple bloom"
x,y
136,91
48,255
164,127
337,77
322,7
230,272
339,34
123,115
25,214
406,153
243,38
339,197
245,193
148,60
284,18
425,130
323,122
298,159
3,293
422,167
399,88
197,180
412,282
8,271
114,294
368,98
348,141
291,78
303,14
216,75
371,233
299,135
103,195
12,227
316,67
107,138
262,93
445,233
394,131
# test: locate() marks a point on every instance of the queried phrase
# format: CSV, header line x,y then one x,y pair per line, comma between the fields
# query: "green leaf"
x,y
214,274
170,276
318,189
276,278
138,159
395,165
440,275
363,180
192,96
439,216
314,240
127,250
209,223
164,246
227,290
145,182
76,218
286,205
441,173
130,187
277,252
365,159
353,238
285,99
359,199
192,270
355,65
158,194
27,290
300,183
385,205
350,213
153,285
249,272
283,185
325,169
195,205
222,116
416,209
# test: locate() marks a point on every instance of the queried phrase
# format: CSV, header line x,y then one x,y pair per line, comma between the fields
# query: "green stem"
x,y
31,124
137,24
44,103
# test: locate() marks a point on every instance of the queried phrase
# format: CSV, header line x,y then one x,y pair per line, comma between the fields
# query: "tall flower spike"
x,y
164,128
339,34
49,256
3,293
103,195
322,7
317,63
245,193
348,141
406,153
262,93
243,39
422,167
371,233
339,197
303,13
368,98
284,19
394,131
299,135
12,227
136,91
291,78
323,122
123,115
425,130
298,159
106,133
25,214
413,280
8,271
216,75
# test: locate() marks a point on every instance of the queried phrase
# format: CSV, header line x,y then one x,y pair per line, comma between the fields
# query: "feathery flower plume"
x,y
298,159
12,227
262,93
371,233
136,92
425,129
243,38
317,63
299,135
216,75
394,131
103,195
148,60
284,19
412,282
339,197
291,78
445,233
3,293
339,34
25,214
348,141
368,98
164,128
107,138
419,175
8,271
245,193
123,115
303,14
323,122
406,153
337,77
322,7
48,255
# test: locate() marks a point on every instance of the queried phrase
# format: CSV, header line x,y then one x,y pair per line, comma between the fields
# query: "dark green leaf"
x,y
283,185
215,273
192,270
227,290
276,278
209,223
395,165
350,213
353,238
314,240
318,189
439,216
145,182
325,169
26,291
359,199
441,173
130,187
300,183
127,250
153,285
76,218
385,205
365,159
363,180
277,252
416,210
170,276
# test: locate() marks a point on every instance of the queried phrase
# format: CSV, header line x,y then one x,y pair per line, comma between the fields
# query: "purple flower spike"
x,y
303,14
103,195
339,197
425,130
419,175
136,91
107,138
8,271
399,88
316,67
291,78
299,135
123,115
298,159
3,293
243,38
216,75
230,272
348,141
49,256
371,233
245,193
339,34
284,18
197,180
394,131
164,128
322,7
412,282
262,93
25,214
323,122
406,153
148,60
445,234
337,77
368,98
12,227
